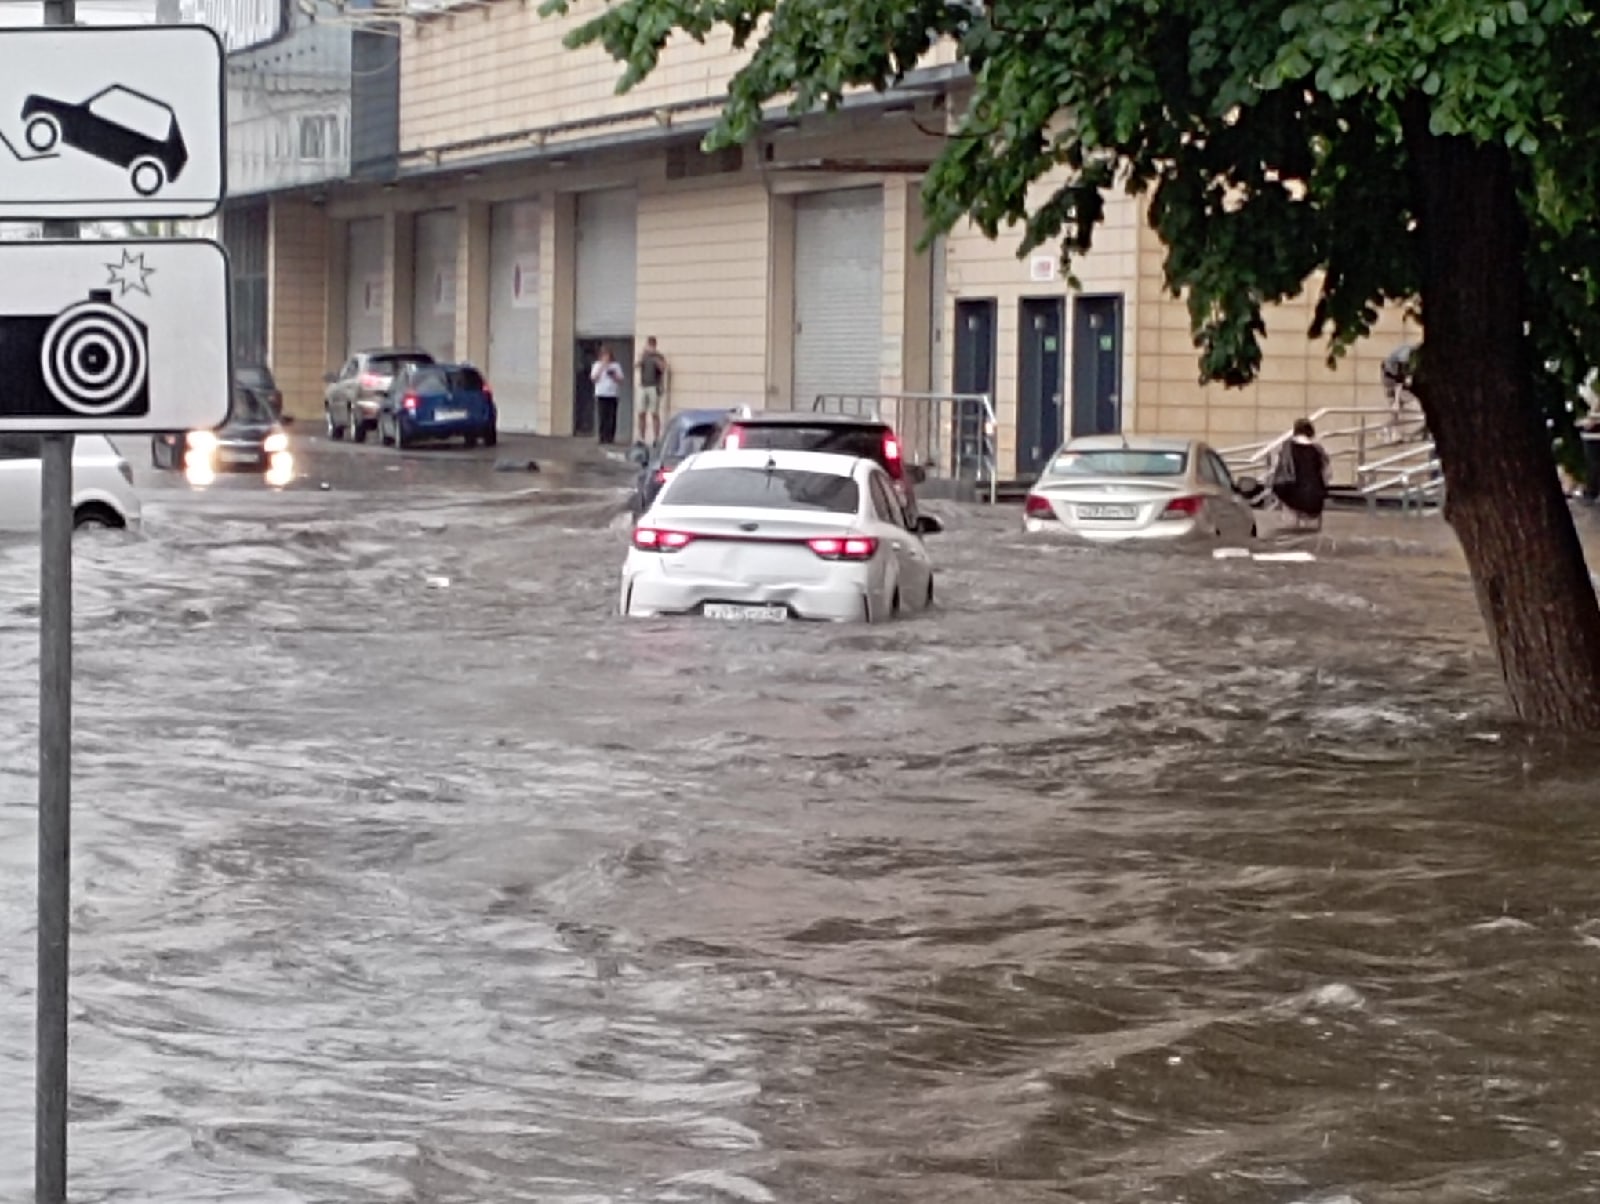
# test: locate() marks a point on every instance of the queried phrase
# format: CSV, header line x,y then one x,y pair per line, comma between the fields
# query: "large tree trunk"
x,y
1502,495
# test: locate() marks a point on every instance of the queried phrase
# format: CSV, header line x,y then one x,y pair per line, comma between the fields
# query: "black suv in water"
x,y
841,434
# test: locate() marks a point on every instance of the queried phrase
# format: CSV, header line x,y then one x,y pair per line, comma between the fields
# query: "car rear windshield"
x,y
466,380
428,380
685,441
764,489
1120,462
863,441
388,365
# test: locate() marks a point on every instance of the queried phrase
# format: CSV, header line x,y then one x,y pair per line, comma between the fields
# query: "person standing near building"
x,y
607,378
653,371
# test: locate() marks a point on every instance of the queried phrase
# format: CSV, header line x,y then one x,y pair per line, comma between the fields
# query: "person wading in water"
x,y
1301,475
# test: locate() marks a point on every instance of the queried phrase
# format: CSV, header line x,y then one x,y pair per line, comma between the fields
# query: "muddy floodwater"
x,y
406,871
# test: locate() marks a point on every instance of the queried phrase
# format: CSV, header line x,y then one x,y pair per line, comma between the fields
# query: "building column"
x,y
558,294
400,271
472,284
297,290
336,254
780,294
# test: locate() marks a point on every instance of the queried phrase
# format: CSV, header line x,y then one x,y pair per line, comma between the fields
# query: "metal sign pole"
x,y
55,783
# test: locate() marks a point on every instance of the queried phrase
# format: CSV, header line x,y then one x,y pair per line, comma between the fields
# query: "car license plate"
x,y
449,415
239,457
745,614
1122,512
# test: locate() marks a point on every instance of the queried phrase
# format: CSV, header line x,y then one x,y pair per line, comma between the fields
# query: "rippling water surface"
x,y
1117,878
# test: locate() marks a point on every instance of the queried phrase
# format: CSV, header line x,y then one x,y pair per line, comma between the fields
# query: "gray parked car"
x,y
355,393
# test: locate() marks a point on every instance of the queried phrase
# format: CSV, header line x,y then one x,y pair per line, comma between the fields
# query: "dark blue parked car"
x,y
684,434
438,401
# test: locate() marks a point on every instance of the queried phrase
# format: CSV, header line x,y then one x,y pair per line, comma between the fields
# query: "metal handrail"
x,y
1400,457
1412,496
1262,448
921,422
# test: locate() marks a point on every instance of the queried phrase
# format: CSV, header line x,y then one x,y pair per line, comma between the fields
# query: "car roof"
x,y
695,417
806,418
759,457
390,352
1136,443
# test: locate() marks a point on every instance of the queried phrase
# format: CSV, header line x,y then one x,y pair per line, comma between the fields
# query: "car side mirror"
x,y
928,525
1248,486
917,473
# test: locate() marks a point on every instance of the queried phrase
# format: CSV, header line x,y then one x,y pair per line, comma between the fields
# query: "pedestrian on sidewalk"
x,y
1301,476
653,373
607,378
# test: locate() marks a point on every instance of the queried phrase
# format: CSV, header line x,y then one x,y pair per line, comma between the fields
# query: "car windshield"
x,y
764,489
248,408
1119,462
686,440
863,441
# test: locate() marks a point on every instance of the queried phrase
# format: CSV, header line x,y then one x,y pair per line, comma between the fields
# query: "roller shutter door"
x,y
365,285
838,293
607,243
514,313
433,309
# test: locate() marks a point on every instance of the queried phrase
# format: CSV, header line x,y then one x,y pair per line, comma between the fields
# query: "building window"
x,y
319,138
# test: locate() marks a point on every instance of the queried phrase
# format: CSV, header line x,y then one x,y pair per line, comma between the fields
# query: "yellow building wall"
x,y
298,259
978,268
702,289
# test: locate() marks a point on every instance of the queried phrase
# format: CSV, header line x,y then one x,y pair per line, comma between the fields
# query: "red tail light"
x,y
654,539
854,547
372,381
733,439
662,474
410,401
1183,507
1038,506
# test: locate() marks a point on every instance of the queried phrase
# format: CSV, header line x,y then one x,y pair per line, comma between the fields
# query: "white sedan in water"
x,y
102,484
765,536
1114,488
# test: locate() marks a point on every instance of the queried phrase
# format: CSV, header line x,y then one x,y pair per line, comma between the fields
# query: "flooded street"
x,y
407,871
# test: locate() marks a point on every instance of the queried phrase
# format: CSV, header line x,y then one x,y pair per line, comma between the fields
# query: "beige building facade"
x,y
536,214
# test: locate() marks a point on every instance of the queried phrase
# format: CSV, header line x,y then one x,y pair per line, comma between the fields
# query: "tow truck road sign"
x,y
111,122
114,337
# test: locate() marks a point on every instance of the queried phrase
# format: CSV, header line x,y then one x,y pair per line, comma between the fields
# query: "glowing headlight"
x,y
202,441
276,442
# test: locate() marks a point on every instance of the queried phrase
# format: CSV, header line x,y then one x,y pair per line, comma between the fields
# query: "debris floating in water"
x,y
438,582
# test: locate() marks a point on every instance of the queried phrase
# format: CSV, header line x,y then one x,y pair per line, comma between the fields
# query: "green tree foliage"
x,y
1275,141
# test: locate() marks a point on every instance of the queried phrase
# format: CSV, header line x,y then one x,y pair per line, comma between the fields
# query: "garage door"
x,y
365,286
514,313
607,241
838,293
433,309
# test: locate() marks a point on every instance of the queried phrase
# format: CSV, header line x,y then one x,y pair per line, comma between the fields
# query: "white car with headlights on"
x,y
102,484
767,536
1115,489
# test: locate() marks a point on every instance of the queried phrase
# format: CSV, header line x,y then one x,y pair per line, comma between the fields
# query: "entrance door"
x,y
974,373
1097,366
838,294
583,408
514,270
1039,382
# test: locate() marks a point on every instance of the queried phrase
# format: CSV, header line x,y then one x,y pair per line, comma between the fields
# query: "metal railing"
x,y
1347,445
1414,472
949,435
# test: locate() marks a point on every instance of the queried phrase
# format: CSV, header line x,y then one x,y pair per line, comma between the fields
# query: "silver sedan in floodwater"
x,y
1114,488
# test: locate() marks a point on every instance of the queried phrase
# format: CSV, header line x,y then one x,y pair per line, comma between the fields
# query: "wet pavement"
x,y
407,871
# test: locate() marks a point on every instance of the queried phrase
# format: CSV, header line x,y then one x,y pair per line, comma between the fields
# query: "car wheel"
x,y
335,431
491,438
399,436
96,515
148,176
383,433
928,601
43,133
894,605
358,430
1253,532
